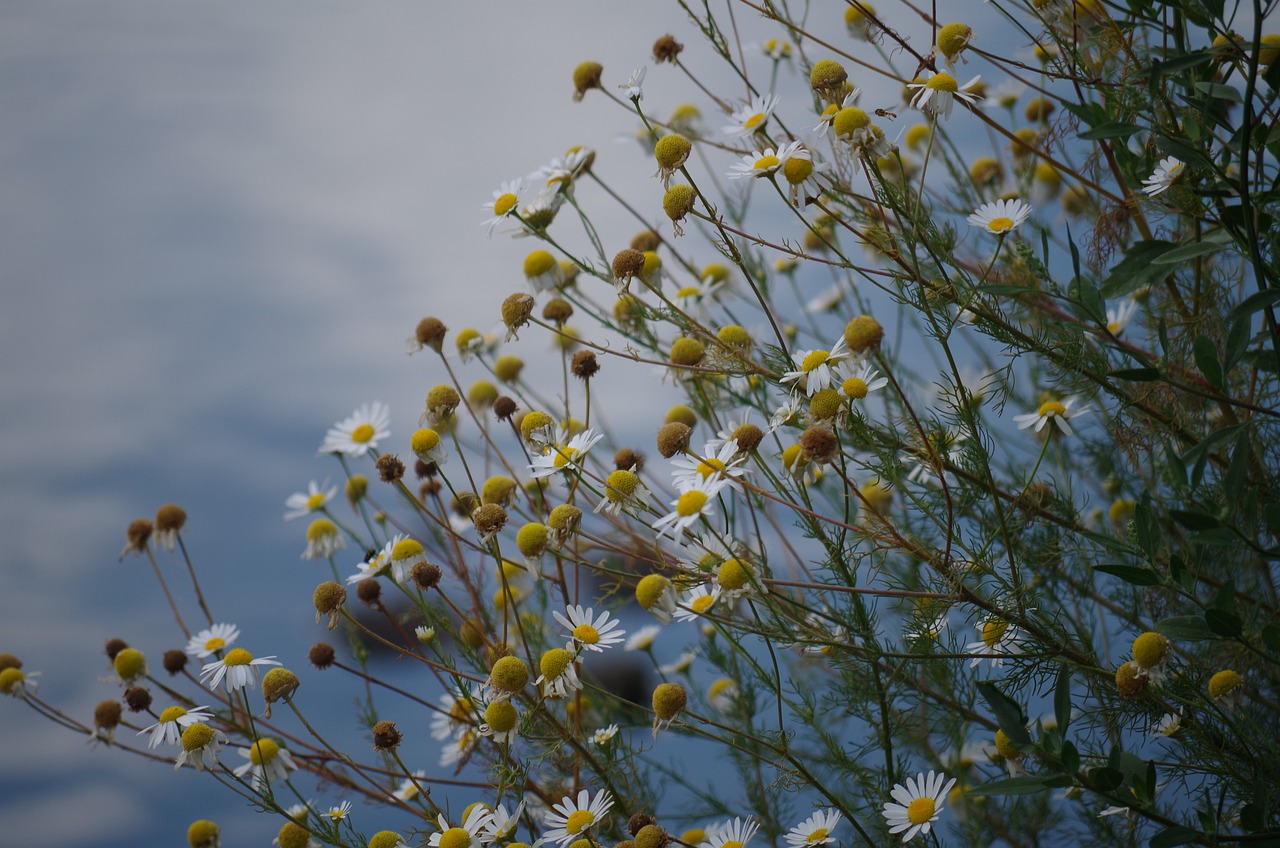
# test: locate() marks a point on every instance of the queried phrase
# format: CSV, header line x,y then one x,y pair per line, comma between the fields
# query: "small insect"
x,y
885,113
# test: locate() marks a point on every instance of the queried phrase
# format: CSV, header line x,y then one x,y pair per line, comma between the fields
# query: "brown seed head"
x,y
137,698
489,518
645,240
386,737
321,655
748,437
425,574
516,310
137,535
557,310
673,438
819,444
584,365
627,459
390,468
505,407
627,263
430,333
113,647
174,661
107,715
369,591
666,49
170,516
639,821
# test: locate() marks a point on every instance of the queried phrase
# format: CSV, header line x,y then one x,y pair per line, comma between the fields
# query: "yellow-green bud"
x,y
202,834
516,310
668,700
671,151
276,684
130,664
509,675
532,539
1150,649
501,716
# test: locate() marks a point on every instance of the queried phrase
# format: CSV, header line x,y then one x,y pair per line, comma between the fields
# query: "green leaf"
x,y
1026,785
1210,443
1137,269
1105,778
1136,375
1062,700
1110,129
1070,758
1271,637
1008,713
1254,302
1145,522
1134,575
1194,520
1183,252
1173,836
1207,359
1225,624
1219,91
1186,628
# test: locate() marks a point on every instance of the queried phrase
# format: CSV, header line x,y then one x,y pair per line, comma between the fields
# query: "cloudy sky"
x,y
218,223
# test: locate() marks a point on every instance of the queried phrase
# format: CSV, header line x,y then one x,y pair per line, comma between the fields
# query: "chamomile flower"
x,y
997,639
1163,176
323,539
174,720
360,432
803,175
17,683
722,693
209,641
571,818
201,745
1119,316
642,639
734,834
268,762
604,735
937,93
813,371
238,668
1000,216
695,501
777,49
917,804
405,554
726,461
589,632
564,456
751,117
458,750
502,824
680,665
1059,412
622,488
696,602
407,790
340,812
314,500
763,163
631,89
1167,726
467,835
815,830
559,675
857,380
378,563
458,712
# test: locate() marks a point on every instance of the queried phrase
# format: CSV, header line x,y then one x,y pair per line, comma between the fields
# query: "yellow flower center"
x,y
172,714
1051,408
731,843
855,387
196,736
263,751
754,121
767,163
817,836
315,501
1000,225
564,455
813,360
942,81
215,644
237,656
690,503
797,170
579,821
505,204
702,603
993,631
554,662
362,433
407,549
687,291
455,837
920,810
586,634
710,466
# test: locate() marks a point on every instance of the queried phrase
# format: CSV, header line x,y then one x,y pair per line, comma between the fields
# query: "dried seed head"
x,y
584,365
174,661
673,438
425,575
386,737
107,715
748,437
276,684
430,333
112,648
586,76
390,468
170,517
328,599
557,310
666,49
516,310
627,263
626,459
321,655
645,240
504,407
1130,683
136,535
442,400
827,77
369,591
137,698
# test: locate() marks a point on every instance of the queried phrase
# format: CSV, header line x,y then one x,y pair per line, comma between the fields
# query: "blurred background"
x,y
218,224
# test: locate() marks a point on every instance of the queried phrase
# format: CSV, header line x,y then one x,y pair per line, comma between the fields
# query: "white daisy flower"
x,y
722,693
323,540
938,92
470,834
502,826
734,834
1000,216
568,820
696,602
642,639
787,413
857,380
680,664
207,642
998,639
589,632
360,432
724,461
803,174
314,500
777,49
602,736
559,674
340,812
750,117
1167,725
1119,316
563,456
813,371
238,667
1059,412
407,790
631,88
695,501
174,720
815,830
622,489
762,163
1163,176
458,750
378,564
946,444
457,713
268,762
538,214
201,745
918,804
